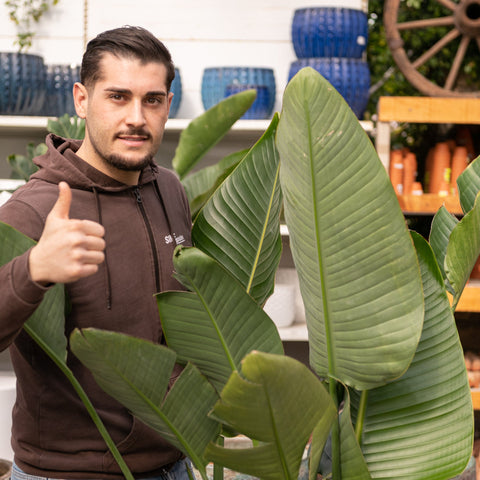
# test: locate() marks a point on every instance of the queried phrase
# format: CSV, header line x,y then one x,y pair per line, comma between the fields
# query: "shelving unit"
x,y
429,110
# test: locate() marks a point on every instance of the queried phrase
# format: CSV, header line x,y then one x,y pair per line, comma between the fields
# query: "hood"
x,y
60,162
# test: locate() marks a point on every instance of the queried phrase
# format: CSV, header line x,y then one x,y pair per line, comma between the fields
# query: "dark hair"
x,y
127,42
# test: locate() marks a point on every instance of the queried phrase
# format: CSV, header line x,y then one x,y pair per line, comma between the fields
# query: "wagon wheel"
x,y
464,20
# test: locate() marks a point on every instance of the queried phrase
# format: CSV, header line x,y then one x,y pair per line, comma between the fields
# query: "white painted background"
x,y
199,34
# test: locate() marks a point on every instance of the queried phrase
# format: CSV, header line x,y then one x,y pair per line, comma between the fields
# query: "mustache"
x,y
140,132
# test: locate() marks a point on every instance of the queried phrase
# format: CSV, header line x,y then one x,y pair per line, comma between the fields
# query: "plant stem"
x,y
362,410
336,463
86,401
218,469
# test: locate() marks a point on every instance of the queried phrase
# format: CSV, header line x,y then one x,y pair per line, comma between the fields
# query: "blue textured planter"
x,y
215,81
176,88
22,84
349,76
329,32
60,81
260,108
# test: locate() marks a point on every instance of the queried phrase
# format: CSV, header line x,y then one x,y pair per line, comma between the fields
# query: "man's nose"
x,y
135,115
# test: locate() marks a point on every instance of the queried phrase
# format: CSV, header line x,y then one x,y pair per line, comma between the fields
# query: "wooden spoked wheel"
x,y
462,22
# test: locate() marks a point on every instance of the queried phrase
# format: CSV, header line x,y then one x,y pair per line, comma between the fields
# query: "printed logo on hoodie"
x,y
178,240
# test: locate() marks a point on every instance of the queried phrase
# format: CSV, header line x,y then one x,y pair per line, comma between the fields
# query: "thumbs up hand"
x,y
68,249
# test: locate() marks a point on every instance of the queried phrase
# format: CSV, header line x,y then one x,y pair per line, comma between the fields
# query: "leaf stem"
x,y
362,410
86,401
336,463
218,469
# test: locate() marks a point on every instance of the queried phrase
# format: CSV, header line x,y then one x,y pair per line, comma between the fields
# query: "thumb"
x,y
61,209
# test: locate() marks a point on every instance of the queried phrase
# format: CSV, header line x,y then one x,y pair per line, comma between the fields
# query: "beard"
x,y
122,162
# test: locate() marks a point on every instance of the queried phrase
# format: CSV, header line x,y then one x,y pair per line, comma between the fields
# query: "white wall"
x,y
199,34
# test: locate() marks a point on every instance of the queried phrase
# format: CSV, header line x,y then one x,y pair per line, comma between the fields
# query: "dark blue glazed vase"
x,y
60,81
176,89
23,85
215,81
329,32
260,108
349,76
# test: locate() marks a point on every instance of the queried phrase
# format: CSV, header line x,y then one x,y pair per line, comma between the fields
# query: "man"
x,y
107,220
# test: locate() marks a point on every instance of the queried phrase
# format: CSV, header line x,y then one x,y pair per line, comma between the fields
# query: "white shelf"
x,y
21,124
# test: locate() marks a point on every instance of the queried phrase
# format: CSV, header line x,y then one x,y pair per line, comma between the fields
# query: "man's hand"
x,y
68,249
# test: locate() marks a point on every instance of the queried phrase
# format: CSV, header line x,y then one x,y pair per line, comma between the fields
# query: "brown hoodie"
x,y
52,434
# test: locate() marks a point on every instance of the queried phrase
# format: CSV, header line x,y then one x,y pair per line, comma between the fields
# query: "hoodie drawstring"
x,y
107,270
160,198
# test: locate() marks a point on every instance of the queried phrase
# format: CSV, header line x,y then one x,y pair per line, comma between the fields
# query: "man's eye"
x,y
154,100
116,96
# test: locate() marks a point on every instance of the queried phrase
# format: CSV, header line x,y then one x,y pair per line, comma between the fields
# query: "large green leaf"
x,y
357,267
200,186
219,324
469,185
137,372
240,224
279,402
47,326
47,323
442,225
462,251
208,129
421,425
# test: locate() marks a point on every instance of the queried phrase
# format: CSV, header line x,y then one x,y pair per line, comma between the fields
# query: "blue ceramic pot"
x,y
349,76
216,79
329,32
260,108
60,81
176,88
23,84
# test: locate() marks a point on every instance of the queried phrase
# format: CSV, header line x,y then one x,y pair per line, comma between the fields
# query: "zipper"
x,y
156,262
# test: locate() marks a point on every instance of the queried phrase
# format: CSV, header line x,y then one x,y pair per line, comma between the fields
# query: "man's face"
x,y
125,113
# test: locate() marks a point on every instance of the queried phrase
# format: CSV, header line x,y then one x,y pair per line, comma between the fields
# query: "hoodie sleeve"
x,y
20,294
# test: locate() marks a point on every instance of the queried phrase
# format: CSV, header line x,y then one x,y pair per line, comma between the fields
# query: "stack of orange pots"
x,y
403,171
445,162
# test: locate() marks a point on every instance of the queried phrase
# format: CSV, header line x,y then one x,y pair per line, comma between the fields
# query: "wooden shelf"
x,y
429,203
476,399
421,110
470,299
429,110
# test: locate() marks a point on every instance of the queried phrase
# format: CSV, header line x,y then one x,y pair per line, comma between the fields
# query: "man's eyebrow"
x,y
160,93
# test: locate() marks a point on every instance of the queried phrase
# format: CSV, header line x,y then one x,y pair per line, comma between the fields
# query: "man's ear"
x,y
80,98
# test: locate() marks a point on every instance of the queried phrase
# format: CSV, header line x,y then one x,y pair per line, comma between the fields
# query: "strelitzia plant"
x,y
388,396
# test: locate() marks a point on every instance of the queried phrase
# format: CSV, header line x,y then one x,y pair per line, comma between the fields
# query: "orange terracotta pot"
x,y
409,172
441,168
396,170
459,163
